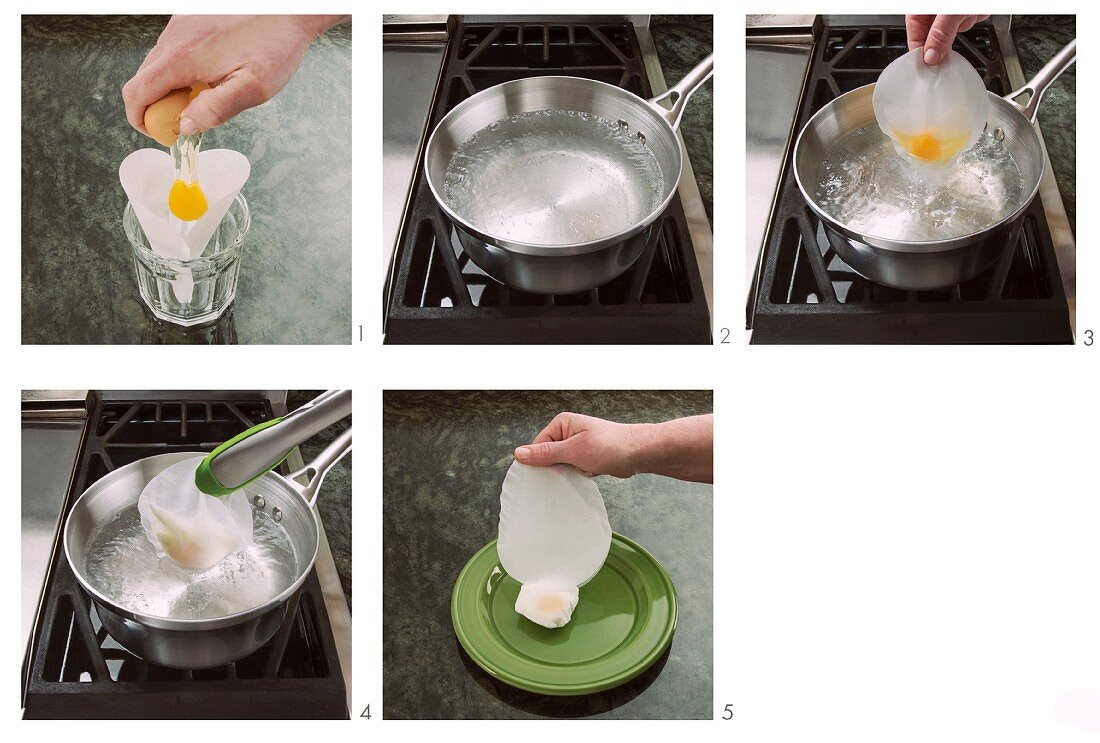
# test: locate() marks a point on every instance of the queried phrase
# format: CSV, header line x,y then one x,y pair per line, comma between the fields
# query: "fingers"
x,y
940,37
936,33
215,106
149,85
558,429
544,453
553,445
916,29
970,21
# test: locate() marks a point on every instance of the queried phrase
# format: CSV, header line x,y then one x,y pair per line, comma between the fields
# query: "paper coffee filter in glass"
x,y
931,113
147,176
193,529
553,537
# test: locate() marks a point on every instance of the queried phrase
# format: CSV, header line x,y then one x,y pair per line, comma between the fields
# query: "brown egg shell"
x,y
162,119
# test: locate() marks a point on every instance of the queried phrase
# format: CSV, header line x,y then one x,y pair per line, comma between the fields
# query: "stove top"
x,y
804,293
75,670
437,295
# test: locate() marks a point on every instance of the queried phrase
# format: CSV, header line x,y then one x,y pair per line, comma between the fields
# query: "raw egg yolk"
x,y
186,201
930,148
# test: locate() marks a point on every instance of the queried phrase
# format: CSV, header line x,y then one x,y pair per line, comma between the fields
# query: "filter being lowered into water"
x,y
932,113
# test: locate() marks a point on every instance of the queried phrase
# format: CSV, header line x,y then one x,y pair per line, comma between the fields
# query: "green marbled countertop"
x,y
682,41
77,280
445,457
1038,38
334,497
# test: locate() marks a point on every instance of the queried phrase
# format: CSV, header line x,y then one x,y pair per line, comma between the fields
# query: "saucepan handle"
x,y
1042,80
316,470
677,96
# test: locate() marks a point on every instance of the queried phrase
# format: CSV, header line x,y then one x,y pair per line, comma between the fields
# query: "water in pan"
x,y
122,564
864,184
554,178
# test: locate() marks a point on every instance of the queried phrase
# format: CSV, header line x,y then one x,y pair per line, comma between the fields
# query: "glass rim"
x,y
142,247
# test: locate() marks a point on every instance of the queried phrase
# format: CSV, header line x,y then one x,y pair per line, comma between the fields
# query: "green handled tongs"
x,y
250,454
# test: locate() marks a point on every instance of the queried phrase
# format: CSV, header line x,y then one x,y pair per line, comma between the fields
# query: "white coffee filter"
x,y
944,100
147,176
553,532
548,606
195,530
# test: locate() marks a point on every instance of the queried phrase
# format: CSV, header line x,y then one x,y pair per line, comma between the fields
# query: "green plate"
x,y
622,625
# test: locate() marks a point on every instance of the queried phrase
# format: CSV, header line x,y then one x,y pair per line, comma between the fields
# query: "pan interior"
x,y
121,564
852,172
865,185
549,165
554,178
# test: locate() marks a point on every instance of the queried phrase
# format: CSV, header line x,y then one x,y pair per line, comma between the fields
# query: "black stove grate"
x,y
439,296
806,294
77,671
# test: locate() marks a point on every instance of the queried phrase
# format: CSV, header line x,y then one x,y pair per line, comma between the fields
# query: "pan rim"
x,y
915,246
566,249
191,625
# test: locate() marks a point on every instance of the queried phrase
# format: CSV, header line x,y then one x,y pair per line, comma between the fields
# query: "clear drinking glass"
x,y
197,290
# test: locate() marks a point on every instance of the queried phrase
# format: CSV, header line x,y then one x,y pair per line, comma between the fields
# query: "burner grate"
x,y
806,294
439,296
77,671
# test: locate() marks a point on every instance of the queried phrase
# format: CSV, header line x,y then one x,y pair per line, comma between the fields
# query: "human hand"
x,y
936,33
593,445
248,59
682,448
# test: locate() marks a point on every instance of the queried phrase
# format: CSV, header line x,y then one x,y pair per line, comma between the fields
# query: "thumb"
x,y
544,453
940,37
219,104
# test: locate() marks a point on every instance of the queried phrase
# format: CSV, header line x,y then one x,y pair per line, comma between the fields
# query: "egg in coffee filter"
x,y
553,537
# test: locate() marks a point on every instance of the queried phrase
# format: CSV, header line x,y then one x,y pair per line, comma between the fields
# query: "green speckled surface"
x,y
334,498
77,279
1038,38
444,459
682,41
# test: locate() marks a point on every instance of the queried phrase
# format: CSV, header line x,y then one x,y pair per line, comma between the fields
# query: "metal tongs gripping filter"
x,y
250,454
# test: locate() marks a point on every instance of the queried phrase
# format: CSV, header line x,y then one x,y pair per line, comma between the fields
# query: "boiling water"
x,y
122,564
866,185
554,178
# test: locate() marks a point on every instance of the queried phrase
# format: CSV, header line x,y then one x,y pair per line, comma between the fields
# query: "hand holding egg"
x,y
162,118
248,59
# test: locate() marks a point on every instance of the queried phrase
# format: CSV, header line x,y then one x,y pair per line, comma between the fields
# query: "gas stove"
x,y
73,669
434,293
802,292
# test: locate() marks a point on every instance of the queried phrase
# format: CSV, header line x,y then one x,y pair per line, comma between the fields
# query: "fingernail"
x,y
931,56
187,126
523,454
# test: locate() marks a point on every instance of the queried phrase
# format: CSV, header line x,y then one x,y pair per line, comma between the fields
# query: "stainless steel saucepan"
x,y
206,643
543,266
934,264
